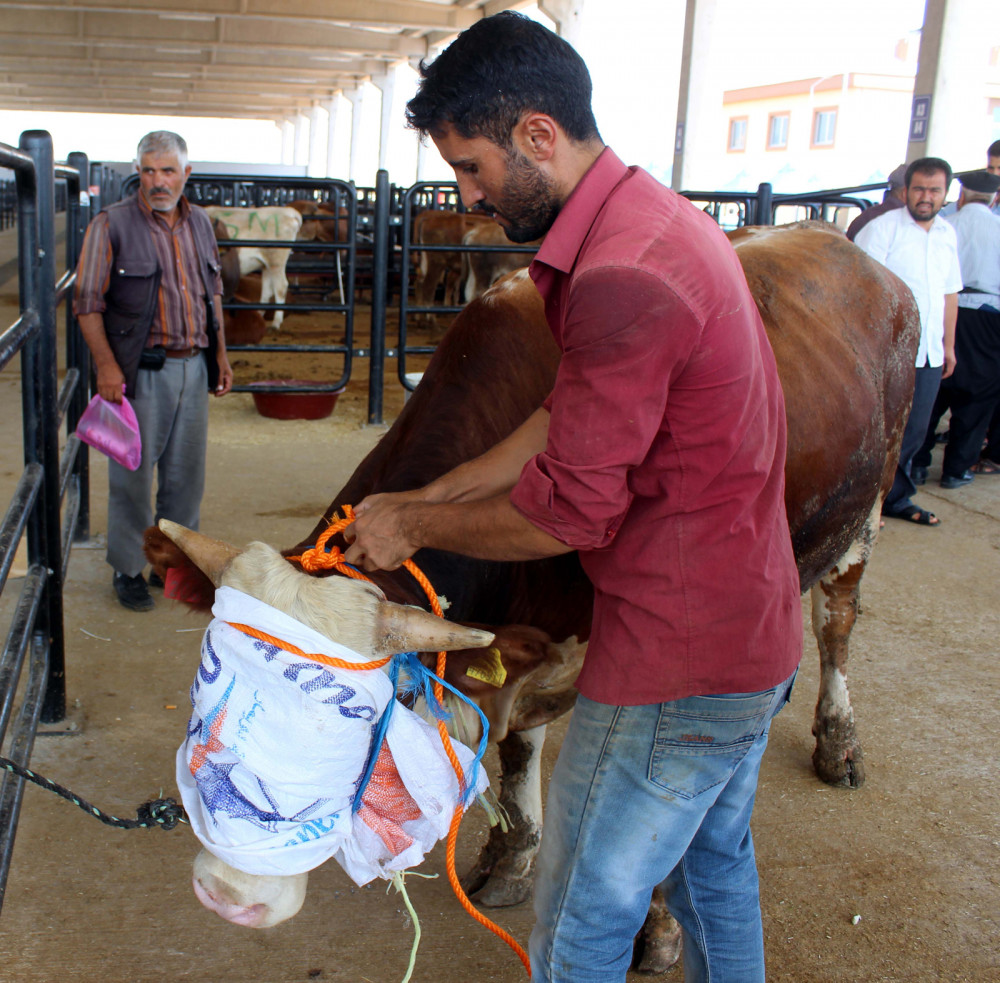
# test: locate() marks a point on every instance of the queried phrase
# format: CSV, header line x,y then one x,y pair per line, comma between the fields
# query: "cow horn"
x,y
399,628
211,556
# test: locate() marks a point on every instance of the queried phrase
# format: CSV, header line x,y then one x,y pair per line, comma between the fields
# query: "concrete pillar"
x,y
951,80
301,139
287,141
364,134
698,98
397,145
567,15
319,127
338,141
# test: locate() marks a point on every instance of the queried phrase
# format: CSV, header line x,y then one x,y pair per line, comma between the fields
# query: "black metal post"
x,y
41,413
764,199
77,353
380,278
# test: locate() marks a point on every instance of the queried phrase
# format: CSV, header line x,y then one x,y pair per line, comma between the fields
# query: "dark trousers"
x,y
924,393
971,393
992,449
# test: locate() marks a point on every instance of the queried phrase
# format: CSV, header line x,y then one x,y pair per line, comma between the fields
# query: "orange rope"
x,y
319,558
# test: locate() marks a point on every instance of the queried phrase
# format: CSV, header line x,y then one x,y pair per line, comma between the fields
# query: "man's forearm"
x,y
487,529
110,378
92,329
950,320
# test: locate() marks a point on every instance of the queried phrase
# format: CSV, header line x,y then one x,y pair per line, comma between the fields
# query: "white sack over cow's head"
x,y
356,615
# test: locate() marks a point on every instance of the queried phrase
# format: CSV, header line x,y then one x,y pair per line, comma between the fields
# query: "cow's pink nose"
x,y
249,915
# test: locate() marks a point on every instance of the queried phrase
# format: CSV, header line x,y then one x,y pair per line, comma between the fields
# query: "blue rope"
x,y
420,682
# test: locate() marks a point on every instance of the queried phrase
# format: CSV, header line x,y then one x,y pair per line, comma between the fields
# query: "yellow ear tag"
x,y
489,668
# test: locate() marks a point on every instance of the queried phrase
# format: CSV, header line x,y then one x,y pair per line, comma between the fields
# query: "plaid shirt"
x,y
179,317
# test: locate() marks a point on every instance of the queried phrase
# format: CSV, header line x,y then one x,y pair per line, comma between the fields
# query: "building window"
x,y
777,131
738,133
824,127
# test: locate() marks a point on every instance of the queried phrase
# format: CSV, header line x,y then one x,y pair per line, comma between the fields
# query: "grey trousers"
x,y
171,406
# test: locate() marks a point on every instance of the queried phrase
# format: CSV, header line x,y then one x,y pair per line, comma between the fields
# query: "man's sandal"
x,y
919,517
985,466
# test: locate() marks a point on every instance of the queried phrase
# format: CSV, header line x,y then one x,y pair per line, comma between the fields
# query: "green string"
x,y
398,882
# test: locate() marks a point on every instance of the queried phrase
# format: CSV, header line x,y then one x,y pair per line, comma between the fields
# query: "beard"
x,y
527,203
162,206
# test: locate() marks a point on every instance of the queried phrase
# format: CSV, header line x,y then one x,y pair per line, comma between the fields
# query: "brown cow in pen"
x,y
844,332
436,227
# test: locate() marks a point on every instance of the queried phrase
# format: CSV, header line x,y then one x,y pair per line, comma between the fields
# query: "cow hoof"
x,y
496,891
844,770
658,957
658,944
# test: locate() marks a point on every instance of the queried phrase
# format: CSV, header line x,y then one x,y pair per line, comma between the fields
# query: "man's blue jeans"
x,y
648,795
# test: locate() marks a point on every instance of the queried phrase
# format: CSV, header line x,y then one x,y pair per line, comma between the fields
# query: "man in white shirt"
x,y
993,166
922,250
973,390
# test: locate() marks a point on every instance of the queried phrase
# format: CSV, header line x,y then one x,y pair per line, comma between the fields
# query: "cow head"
x,y
354,614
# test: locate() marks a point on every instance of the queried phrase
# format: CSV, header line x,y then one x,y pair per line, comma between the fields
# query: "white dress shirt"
x,y
952,207
926,261
978,233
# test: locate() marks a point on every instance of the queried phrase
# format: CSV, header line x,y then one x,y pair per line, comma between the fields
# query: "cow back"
x,y
844,331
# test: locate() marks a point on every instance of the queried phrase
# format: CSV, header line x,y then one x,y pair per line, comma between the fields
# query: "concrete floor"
x,y
914,853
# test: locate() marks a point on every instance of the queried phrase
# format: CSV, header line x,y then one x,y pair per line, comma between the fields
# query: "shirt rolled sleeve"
x,y
93,274
608,403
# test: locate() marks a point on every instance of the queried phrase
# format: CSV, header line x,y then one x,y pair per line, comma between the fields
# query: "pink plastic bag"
x,y
113,430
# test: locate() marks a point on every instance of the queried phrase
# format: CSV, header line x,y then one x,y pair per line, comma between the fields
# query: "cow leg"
x,y
838,758
503,872
267,296
658,944
425,286
278,286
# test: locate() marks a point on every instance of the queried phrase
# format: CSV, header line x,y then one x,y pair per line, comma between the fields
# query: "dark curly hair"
x,y
929,165
500,68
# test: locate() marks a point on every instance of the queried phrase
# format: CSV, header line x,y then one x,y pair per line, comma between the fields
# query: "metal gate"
x,y
49,499
337,256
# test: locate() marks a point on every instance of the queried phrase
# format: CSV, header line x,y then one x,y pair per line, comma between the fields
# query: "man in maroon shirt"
x,y
659,456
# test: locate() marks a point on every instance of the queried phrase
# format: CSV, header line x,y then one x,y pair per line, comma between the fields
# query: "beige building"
x,y
815,132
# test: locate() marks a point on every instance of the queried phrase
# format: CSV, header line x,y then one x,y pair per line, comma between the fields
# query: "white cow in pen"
x,y
269,222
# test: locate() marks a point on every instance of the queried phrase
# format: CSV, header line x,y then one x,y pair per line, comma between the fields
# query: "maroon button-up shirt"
x,y
665,458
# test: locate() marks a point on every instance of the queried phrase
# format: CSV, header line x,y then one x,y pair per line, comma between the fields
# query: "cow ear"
x,y
211,556
399,628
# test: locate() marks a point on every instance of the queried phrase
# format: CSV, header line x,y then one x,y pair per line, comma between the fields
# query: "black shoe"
x,y
950,481
941,438
918,476
132,592
155,580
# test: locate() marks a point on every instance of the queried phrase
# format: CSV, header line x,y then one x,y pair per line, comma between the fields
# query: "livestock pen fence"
x,y
371,251
49,503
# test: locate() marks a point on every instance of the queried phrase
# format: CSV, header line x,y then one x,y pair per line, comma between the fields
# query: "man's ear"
x,y
537,135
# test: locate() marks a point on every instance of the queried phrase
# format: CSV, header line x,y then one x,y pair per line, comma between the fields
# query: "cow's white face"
x,y
350,612
246,899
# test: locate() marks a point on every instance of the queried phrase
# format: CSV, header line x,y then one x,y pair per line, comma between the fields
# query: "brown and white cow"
x,y
482,269
242,327
437,227
844,332
321,222
270,222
